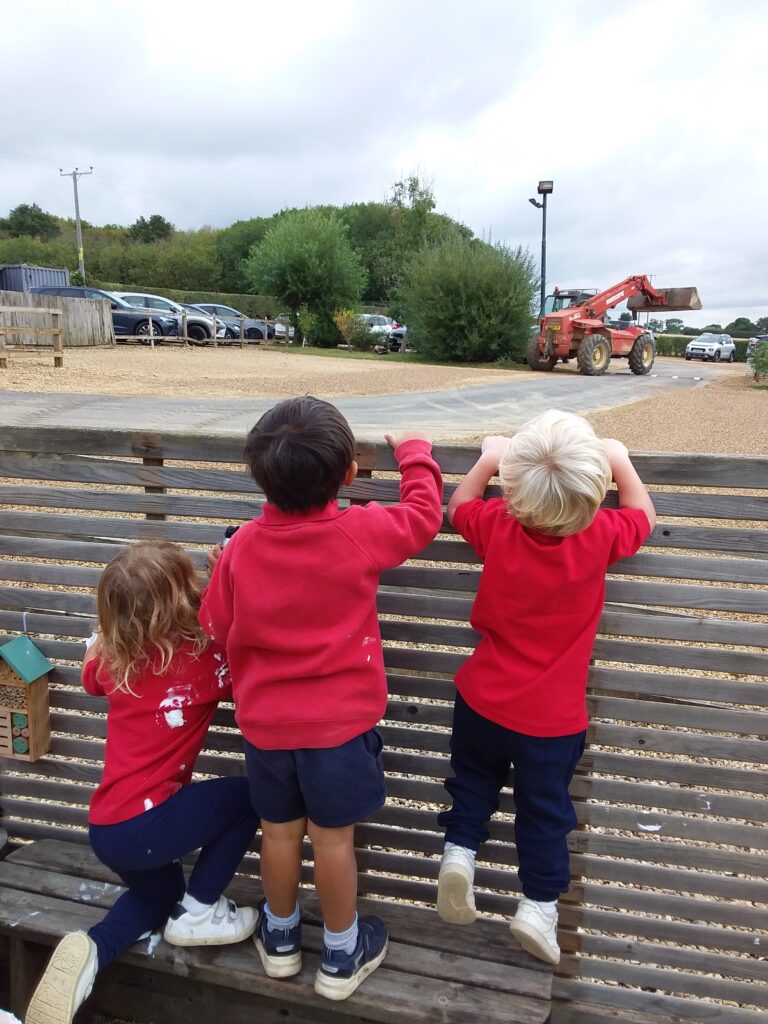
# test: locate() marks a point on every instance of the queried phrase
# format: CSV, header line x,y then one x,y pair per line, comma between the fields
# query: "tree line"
x,y
463,299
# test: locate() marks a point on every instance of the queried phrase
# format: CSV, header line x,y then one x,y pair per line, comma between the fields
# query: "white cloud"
x,y
647,115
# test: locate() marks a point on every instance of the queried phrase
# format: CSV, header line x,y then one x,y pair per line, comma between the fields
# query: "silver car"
x,y
200,327
711,346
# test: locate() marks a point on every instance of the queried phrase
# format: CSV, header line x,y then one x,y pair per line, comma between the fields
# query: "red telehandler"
x,y
572,323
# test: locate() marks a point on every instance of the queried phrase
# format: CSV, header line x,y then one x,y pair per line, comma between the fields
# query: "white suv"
x,y
711,346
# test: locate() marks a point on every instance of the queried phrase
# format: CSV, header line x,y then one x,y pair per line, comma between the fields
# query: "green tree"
x,y
156,229
741,325
306,259
713,329
762,324
673,326
31,221
626,317
469,302
233,245
657,326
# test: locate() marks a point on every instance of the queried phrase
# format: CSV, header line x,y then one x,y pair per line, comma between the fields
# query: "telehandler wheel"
x,y
535,359
642,354
593,355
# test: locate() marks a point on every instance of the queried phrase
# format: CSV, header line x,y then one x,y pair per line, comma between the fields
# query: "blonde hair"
x,y
147,601
555,473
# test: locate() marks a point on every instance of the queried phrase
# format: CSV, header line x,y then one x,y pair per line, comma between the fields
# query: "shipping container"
x,y
20,277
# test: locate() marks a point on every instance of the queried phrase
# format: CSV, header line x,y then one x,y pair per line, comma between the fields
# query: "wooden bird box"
x,y
25,724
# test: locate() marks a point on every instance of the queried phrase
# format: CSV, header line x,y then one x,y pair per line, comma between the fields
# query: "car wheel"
x,y
197,334
732,357
717,356
593,355
142,330
642,354
688,359
254,334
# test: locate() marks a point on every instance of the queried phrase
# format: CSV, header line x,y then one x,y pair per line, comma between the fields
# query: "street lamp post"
x,y
544,189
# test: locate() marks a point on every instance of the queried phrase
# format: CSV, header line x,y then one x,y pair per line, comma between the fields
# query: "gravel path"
x,y
728,416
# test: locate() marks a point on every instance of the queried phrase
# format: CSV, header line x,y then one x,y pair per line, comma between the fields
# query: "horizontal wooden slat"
x,y
101,528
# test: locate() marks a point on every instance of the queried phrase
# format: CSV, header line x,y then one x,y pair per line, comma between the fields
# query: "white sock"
x,y
280,924
193,906
346,940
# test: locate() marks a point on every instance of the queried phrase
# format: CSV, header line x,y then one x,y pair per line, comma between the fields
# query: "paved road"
x,y
456,413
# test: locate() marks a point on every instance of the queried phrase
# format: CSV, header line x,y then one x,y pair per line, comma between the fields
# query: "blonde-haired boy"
x,y
546,546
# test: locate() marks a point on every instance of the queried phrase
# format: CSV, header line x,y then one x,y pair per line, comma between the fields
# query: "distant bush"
x,y
758,364
354,330
469,302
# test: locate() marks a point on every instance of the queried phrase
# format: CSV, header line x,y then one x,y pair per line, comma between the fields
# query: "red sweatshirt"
x,y
293,600
154,737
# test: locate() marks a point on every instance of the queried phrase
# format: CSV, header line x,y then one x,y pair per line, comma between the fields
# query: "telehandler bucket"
x,y
678,299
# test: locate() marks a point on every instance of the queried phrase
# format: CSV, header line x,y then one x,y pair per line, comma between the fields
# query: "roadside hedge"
x,y
674,345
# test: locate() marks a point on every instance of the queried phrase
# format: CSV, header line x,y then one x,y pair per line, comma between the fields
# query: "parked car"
x,y
126,318
752,344
255,330
283,327
387,327
398,337
200,327
711,346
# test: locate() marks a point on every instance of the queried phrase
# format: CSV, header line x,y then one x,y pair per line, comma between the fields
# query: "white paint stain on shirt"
x,y
148,805
173,704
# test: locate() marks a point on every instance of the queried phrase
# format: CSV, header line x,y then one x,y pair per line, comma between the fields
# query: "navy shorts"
x,y
332,786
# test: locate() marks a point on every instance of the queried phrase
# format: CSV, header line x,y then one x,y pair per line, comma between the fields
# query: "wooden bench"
x,y
665,919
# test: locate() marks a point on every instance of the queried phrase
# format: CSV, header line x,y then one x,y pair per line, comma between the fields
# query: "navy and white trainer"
x,y
280,950
340,973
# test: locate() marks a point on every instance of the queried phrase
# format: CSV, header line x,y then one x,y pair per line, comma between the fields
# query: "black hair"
x,y
299,453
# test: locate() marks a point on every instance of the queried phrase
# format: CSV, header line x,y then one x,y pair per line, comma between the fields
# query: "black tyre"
x,y
687,359
593,355
198,334
717,356
254,334
642,354
535,359
732,357
141,330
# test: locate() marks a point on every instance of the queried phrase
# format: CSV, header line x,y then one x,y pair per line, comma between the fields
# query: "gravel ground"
x,y
729,416
229,373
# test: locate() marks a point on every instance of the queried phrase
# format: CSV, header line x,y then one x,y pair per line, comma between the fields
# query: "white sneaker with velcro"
x,y
223,923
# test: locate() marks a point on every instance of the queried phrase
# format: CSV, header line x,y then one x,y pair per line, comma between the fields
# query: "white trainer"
x,y
455,896
222,924
536,930
66,982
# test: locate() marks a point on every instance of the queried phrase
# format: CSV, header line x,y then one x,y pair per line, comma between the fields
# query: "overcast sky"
x,y
649,115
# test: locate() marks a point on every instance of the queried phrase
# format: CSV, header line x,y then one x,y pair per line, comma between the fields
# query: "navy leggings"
x,y
145,852
481,753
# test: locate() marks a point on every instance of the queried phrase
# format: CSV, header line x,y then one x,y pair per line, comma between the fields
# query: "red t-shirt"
x,y
293,600
537,609
153,739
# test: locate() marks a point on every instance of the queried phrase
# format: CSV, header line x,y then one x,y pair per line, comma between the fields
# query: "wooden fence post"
x,y
242,331
3,356
149,489
58,352
151,331
184,328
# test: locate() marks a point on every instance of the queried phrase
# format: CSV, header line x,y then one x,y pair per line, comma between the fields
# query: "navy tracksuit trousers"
x,y
481,754
146,853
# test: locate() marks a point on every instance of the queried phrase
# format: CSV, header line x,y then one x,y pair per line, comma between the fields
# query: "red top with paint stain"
x,y
153,738
293,599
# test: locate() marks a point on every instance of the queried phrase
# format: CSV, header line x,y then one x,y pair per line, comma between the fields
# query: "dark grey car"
x,y
255,330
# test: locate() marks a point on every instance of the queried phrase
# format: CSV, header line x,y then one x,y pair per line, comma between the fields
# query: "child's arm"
x,y
217,605
477,479
632,490
389,534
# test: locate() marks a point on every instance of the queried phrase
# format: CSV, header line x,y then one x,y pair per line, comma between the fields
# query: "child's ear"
x,y
350,474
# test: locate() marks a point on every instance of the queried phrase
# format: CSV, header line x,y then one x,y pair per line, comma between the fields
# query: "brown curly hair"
x,y
148,599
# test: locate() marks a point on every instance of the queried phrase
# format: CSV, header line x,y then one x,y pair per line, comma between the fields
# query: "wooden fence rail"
x,y
54,330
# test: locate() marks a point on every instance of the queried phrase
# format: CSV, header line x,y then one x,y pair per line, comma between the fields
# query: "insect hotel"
x,y
25,728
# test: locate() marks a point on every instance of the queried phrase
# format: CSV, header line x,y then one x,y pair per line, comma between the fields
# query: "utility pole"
x,y
74,175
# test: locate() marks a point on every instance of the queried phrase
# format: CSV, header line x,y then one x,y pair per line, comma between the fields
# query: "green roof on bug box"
x,y
25,659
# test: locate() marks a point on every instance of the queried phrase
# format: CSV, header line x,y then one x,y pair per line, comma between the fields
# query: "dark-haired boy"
x,y
293,599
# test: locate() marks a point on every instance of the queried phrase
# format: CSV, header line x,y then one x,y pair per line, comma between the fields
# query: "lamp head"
x,y
536,203
545,187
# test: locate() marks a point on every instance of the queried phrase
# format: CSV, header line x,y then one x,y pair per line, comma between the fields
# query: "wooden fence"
x,y
84,322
